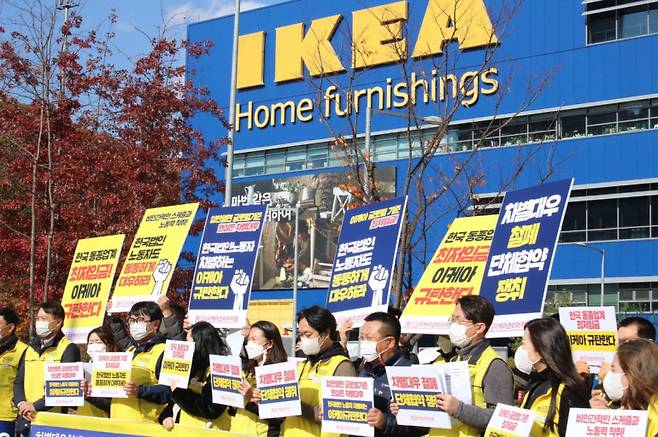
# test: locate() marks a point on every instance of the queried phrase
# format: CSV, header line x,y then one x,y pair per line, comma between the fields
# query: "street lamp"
x,y
602,252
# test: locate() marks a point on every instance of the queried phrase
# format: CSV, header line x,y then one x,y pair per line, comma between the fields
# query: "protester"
x,y
264,346
193,406
379,345
324,357
99,340
633,380
11,352
554,386
172,321
146,398
48,346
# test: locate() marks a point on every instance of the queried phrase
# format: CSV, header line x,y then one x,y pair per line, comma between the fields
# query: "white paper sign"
x,y
613,423
176,363
63,386
508,421
110,371
592,333
279,388
414,389
457,380
225,376
345,405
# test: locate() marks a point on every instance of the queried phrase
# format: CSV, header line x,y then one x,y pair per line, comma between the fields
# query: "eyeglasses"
x,y
132,320
458,320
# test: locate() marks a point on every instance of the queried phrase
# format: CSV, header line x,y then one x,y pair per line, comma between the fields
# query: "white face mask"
x,y
138,331
311,345
457,334
42,328
614,386
368,350
522,361
96,348
254,350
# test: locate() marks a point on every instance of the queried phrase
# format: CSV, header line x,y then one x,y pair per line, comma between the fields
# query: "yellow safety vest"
x,y
35,378
223,422
541,406
310,393
477,372
143,372
247,422
652,410
9,362
89,410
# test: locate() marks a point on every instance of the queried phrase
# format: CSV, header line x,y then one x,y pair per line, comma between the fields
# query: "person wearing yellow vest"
x,y
555,386
11,352
49,346
146,398
193,406
633,381
99,340
264,347
324,357
491,377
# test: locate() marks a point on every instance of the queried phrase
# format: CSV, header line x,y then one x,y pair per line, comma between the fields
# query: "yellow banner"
x,y
593,341
456,270
150,263
82,426
88,285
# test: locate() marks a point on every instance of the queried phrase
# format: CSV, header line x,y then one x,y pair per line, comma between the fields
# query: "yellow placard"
x,y
593,341
498,433
456,270
150,263
88,285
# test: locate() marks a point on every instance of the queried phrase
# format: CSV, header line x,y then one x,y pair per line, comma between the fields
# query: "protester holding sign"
x,y
555,386
146,398
491,377
11,352
633,380
49,346
193,406
100,340
264,347
324,357
380,336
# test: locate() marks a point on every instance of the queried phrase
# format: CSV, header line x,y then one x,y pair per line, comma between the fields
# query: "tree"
x,y
86,145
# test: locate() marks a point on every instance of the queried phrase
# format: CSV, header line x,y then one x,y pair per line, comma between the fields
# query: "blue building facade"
x,y
565,89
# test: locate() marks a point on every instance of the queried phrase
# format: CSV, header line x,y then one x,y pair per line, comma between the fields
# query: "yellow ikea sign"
x,y
377,39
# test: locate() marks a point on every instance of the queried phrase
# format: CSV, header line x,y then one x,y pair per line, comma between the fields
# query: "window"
x,y
573,227
601,27
637,297
514,132
254,164
653,19
632,22
541,128
634,217
602,120
275,162
318,156
573,124
602,216
609,20
386,148
633,116
296,158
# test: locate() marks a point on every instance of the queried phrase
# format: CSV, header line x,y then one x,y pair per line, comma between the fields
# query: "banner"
x,y
365,260
602,423
521,255
110,372
456,270
592,333
88,285
176,364
226,375
345,405
64,385
508,421
60,425
150,263
414,389
279,388
225,266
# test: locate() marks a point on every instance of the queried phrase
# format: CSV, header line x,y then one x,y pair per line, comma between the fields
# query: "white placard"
x,y
279,388
110,371
592,333
508,421
345,404
613,423
63,385
176,363
225,376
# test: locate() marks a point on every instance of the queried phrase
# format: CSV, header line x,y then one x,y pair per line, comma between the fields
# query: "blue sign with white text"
x,y
365,260
521,254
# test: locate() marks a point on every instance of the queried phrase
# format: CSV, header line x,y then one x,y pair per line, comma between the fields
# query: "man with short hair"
x,y
11,353
48,346
379,339
491,378
634,328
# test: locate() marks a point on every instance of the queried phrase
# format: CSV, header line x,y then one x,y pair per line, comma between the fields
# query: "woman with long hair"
x,y
99,340
324,357
193,406
555,386
633,380
264,346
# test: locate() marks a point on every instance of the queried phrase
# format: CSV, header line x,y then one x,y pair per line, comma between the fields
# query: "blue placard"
x,y
365,260
521,254
6,428
225,265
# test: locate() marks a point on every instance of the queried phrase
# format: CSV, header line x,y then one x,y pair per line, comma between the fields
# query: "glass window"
x,y
602,120
634,211
572,237
255,164
610,234
602,214
296,158
275,162
654,114
601,27
632,22
654,210
238,166
573,124
336,156
386,148
318,156
514,132
542,127
574,218
633,116
489,130
653,18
